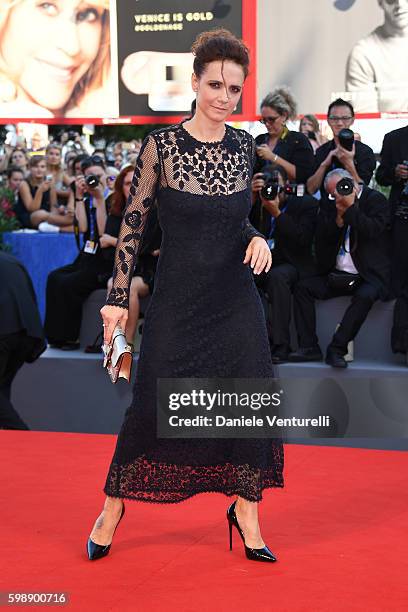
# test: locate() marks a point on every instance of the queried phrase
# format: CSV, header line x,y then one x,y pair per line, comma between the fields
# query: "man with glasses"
x,y
376,72
359,162
352,246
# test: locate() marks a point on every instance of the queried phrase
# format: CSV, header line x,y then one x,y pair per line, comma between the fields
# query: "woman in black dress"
x,y
205,317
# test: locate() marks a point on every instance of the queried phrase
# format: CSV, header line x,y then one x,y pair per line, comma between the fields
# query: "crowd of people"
x,y
339,237
330,233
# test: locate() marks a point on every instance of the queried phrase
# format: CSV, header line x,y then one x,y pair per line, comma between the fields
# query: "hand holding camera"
x,y
258,181
80,187
88,184
401,170
46,184
94,186
345,157
346,149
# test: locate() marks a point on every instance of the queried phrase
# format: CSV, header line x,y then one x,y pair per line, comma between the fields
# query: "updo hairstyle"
x,y
219,44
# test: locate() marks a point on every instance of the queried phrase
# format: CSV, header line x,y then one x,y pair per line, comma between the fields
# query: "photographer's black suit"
x,y
364,161
368,219
291,260
395,151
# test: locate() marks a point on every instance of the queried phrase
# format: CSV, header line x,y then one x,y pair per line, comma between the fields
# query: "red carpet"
x,y
339,529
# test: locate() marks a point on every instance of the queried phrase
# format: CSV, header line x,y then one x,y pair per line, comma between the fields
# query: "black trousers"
x,y
278,283
317,287
399,332
67,289
13,351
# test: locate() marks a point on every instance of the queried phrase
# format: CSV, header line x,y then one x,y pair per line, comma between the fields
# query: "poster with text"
x,y
154,58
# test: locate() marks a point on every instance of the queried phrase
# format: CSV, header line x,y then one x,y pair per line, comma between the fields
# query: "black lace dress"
x,y
205,318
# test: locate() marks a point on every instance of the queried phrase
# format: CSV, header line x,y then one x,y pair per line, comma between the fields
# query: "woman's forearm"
x,y
101,216
290,168
37,200
80,215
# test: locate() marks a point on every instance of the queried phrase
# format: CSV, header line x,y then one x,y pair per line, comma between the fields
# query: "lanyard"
x,y
273,222
92,220
342,250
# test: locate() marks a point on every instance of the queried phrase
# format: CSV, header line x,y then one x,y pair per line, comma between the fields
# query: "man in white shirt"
x,y
352,243
376,69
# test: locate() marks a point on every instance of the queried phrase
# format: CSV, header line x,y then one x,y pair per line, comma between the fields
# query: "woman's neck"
x,y
273,139
205,129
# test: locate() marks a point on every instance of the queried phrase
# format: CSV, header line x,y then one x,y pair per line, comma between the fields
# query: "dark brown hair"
x,y
118,198
219,44
35,160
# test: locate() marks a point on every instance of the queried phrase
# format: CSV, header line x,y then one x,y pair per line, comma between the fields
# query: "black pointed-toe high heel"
x,y
97,551
254,554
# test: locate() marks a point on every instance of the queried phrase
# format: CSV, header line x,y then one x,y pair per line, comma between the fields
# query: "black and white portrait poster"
x,y
323,49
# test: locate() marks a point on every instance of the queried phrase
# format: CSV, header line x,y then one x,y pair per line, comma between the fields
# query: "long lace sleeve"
x,y
248,230
142,195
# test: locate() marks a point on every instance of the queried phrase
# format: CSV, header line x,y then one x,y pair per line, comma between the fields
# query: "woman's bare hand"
x,y
259,255
112,316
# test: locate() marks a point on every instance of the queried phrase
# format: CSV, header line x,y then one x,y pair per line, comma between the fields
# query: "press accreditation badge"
x,y
90,247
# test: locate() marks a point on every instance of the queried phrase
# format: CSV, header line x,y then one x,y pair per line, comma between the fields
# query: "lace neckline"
x,y
211,143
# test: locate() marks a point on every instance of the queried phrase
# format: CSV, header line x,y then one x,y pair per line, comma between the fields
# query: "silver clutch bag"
x,y
118,356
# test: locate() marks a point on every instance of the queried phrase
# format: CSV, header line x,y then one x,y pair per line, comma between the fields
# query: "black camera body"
x,y
346,139
92,181
272,189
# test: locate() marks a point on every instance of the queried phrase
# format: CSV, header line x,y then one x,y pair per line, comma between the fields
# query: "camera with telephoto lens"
x,y
92,181
345,186
272,188
346,139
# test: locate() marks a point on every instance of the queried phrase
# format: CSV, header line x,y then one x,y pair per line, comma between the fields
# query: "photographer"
x,y
69,286
279,146
352,252
393,171
290,237
344,151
